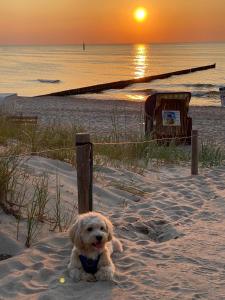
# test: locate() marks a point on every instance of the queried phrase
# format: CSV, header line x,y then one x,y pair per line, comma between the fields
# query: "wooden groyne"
x,y
124,83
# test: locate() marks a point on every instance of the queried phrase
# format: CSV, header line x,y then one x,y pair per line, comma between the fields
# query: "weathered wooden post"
x,y
84,160
194,152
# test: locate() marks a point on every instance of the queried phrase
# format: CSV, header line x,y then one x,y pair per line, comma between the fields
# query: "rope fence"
x,y
83,151
143,142
96,144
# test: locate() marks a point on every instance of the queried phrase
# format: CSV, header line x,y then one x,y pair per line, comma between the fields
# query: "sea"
x,y
38,70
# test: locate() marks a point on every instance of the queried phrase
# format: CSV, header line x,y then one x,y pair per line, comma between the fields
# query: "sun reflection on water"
x,y
140,61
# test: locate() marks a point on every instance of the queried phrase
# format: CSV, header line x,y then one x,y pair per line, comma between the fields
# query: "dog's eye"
x,y
102,228
89,229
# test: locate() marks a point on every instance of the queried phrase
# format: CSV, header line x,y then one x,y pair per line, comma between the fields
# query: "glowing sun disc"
x,y
140,14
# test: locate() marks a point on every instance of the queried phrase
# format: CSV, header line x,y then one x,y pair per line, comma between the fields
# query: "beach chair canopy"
x,y
166,115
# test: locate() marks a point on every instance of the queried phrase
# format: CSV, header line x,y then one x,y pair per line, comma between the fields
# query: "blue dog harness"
x,y
89,265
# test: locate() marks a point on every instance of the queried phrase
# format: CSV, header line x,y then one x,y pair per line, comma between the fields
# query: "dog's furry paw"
x,y
88,277
75,274
117,246
104,274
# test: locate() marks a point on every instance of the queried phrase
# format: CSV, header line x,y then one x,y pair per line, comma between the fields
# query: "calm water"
x,y
28,70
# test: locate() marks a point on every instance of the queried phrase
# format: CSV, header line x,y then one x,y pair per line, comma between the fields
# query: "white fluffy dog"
x,y
93,240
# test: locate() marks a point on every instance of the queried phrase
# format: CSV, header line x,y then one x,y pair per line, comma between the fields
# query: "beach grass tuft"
x,y
211,154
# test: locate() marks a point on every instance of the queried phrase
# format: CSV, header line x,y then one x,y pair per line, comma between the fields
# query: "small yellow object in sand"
x,y
62,280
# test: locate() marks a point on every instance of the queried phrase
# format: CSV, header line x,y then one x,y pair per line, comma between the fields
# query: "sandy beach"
x,y
95,116
170,223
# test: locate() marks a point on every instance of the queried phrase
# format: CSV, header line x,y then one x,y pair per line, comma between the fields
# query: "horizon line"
x,y
106,44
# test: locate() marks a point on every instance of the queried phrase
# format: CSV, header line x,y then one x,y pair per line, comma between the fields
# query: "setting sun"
x,y
140,14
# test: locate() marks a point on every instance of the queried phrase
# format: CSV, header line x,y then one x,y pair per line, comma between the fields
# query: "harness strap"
x,y
89,265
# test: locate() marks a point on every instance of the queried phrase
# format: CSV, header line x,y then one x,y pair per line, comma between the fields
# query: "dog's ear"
x,y
75,233
109,229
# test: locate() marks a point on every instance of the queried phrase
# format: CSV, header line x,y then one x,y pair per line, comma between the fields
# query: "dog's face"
x,y
91,231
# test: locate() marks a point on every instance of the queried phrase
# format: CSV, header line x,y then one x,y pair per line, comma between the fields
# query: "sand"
x,y
170,223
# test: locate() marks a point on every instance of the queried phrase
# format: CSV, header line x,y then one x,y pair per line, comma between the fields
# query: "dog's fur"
x,y
85,234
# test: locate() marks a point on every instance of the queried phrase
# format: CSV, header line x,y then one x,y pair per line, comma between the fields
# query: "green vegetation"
x,y
57,142
211,154
142,154
31,138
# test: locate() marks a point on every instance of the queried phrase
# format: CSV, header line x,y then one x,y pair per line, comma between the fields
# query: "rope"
x,y
142,142
95,144
99,144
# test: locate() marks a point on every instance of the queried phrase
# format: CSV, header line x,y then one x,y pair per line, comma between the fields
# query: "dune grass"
x,y
26,196
211,154
32,138
142,154
57,142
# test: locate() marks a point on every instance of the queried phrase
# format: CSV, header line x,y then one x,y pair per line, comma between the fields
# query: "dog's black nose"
x,y
98,238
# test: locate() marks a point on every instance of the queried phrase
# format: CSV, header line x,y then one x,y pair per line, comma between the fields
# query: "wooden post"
x,y
84,154
194,152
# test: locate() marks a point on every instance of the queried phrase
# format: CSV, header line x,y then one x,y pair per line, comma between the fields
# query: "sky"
x,y
46,22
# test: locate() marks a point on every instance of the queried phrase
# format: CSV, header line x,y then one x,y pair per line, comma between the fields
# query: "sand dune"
x,y
171,225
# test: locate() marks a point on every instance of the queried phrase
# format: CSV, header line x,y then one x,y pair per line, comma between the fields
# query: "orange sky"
x,y
105,21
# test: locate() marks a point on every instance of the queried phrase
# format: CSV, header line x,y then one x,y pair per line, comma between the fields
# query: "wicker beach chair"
x,y
166,116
